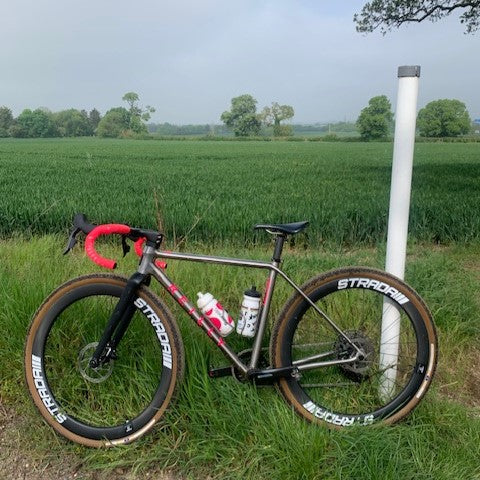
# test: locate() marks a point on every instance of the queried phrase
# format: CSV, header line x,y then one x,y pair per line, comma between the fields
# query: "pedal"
x,y
220,372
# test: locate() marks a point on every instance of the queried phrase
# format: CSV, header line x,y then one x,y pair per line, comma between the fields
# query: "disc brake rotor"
x,y
360,369
94,375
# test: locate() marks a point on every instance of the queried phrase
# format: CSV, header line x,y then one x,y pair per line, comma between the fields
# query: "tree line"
x,y
242,120
439,118
209,130
43,123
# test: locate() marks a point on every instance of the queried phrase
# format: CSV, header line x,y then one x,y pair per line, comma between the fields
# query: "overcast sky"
x,y
188,58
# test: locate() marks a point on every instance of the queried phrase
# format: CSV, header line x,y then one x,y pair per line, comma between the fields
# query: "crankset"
x,y
263,375
230,370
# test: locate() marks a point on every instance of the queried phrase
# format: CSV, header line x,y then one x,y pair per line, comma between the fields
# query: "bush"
x,y
331,137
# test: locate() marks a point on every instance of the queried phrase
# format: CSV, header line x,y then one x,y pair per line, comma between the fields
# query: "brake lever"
x,y
125,245
72,240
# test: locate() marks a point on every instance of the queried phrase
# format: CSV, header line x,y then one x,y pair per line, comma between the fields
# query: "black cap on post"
x,y
409,71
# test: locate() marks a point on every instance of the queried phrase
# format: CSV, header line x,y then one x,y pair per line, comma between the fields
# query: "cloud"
x,y
189,58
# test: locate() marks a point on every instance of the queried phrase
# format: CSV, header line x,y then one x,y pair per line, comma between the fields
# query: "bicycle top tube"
x,y
194,257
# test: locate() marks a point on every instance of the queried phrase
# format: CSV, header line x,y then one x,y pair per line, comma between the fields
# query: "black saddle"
x,y
285,228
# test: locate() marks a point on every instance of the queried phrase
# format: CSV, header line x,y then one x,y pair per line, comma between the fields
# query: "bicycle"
x,y
104,355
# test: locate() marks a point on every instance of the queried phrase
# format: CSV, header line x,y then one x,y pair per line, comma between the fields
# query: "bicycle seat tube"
x,y
276,260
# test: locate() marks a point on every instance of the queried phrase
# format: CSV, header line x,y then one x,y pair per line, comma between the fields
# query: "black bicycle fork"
x,y
118,322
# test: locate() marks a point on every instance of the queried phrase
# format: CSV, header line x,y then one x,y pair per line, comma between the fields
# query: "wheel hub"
x,y
360,369
93,375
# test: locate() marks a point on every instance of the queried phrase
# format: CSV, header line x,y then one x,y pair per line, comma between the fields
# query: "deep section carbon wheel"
x,y
121,399
382,318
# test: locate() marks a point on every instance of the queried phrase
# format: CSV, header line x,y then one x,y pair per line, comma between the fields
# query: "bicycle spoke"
x,y
355,386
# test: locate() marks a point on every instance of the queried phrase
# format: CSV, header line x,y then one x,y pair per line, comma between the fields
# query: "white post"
x,y
405,120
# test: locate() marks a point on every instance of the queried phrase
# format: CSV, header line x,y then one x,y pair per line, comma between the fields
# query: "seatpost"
x,y
279,241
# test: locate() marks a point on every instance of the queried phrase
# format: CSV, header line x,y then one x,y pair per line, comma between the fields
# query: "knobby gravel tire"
x,y
124,399
367,391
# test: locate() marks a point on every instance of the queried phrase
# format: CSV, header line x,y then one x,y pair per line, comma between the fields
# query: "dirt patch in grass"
x,y
18,462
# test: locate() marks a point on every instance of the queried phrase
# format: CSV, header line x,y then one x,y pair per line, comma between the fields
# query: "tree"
x,y
375,120
119,121
94,119
36,123
274,115
114,123
73,123
242,117
6,121
138,115
444,118
388,14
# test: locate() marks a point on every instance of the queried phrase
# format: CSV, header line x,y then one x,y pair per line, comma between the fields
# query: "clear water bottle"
x,y
247,321
217,315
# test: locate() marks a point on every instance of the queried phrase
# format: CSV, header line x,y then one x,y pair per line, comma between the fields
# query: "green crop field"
x,y
213,193
224,188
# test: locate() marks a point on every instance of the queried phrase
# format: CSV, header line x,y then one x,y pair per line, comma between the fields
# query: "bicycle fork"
x,y
118,322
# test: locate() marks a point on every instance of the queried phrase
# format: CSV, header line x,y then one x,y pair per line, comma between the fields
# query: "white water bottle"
x,y
217,315
247,322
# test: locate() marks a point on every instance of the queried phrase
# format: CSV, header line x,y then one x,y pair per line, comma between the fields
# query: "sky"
x,y
188,58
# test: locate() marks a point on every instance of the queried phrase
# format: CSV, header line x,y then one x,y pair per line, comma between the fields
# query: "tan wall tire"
x,y
323,289
169,367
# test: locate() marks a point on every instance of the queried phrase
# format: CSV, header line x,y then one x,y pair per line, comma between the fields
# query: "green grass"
x,y
224,188
223,429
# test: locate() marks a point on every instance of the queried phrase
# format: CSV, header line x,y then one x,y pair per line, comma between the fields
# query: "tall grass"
x,y
224,429
224,188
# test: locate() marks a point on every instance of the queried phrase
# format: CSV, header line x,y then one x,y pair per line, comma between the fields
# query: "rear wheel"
x,y
398,354
120,400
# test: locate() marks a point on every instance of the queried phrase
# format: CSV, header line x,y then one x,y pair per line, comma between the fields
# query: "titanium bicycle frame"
x,y
147,267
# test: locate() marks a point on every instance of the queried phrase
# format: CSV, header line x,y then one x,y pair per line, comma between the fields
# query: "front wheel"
x,y
375,313
120,400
